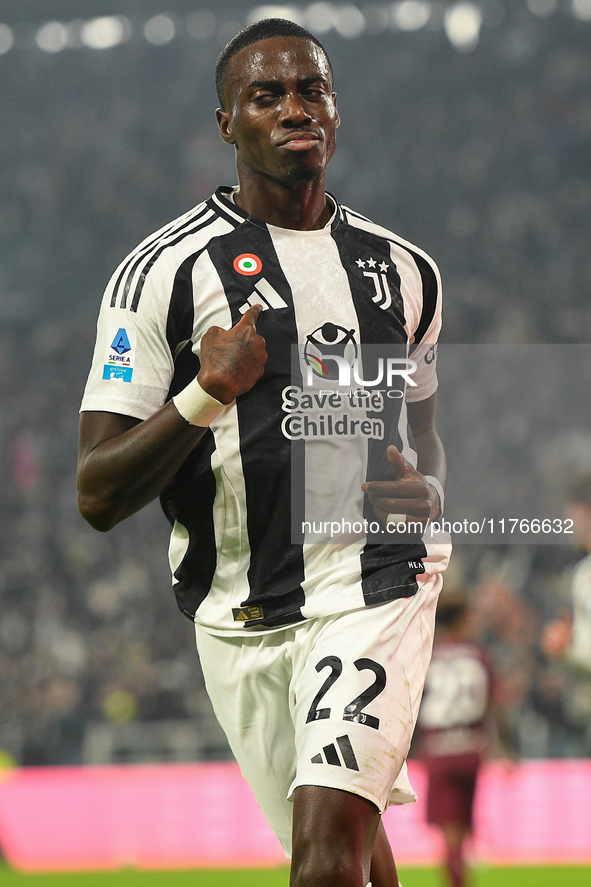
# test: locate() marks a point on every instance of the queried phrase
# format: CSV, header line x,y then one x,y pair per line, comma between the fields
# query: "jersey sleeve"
x,y
132,366
425,375
424,326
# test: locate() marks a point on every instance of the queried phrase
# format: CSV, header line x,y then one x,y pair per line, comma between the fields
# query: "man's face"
x,y
281,112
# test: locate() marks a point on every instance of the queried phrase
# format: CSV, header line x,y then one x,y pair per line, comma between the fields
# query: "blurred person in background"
x,y
570,634
566,640
457,723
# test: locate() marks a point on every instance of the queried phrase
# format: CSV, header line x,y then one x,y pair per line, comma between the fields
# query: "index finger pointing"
x,y
252,315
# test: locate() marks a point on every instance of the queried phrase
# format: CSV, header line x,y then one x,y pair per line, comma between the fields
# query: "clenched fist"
x,y
232,360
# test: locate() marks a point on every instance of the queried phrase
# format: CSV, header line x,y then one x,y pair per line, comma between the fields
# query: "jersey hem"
x,y
374,599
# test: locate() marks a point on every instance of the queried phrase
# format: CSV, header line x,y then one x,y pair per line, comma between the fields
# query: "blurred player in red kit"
x,y
455,723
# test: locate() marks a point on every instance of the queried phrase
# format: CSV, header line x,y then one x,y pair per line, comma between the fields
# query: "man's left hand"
x,y
409,496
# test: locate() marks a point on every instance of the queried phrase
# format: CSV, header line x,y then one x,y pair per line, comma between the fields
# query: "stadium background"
x,y
466,128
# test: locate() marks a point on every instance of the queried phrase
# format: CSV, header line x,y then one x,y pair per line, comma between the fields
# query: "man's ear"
x,y
224,119
338,120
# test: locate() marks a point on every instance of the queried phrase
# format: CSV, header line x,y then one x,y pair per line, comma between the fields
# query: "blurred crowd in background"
x,y
482,157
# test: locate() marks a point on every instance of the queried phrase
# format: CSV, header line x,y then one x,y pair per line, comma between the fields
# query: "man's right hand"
x,y
232,360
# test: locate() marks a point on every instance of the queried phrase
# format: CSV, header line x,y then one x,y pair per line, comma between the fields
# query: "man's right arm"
x,y
125,463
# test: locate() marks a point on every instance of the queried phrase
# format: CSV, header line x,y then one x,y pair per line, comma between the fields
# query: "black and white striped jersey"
x,y
243,553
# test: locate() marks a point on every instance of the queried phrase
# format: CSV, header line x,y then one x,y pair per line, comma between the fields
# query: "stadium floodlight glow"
x,y
6,38
201,24
494,13
411,15
377,18
105,32
462,25
349,21
582,10
320,17
159,30
543,8
291,13
52,37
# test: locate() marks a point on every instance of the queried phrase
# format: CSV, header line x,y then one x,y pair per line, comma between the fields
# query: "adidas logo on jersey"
x,y
331,755
264,294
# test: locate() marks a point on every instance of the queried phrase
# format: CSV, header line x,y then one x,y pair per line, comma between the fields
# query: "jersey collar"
x,y
223,201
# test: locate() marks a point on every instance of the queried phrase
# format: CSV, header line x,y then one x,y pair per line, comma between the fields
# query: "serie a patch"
x,y
120,356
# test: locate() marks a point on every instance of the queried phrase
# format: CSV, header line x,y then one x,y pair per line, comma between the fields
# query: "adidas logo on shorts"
x,y
331,755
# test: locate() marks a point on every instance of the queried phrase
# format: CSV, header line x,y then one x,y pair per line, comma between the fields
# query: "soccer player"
x,y
455,727
314,654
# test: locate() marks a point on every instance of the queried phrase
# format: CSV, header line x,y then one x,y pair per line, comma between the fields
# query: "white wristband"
x,y
197,406
438,486
396,519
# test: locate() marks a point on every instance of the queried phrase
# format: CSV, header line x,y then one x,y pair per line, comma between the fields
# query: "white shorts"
x,y
330,702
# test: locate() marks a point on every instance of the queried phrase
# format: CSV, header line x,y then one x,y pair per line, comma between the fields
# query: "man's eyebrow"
x,y
275,84
264,84
308,81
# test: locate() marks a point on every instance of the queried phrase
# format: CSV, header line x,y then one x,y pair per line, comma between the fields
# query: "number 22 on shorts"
x,y
354,710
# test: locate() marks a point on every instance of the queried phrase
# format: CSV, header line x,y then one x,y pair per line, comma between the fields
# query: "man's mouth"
x,y
299,141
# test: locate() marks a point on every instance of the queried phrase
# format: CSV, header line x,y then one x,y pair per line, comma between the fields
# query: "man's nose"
x,y
293,111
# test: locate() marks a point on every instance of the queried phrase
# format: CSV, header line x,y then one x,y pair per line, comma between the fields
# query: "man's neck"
x,y
302,207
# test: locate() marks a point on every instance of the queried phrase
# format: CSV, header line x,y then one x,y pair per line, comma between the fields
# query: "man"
x,y
570,634
455,724
566,640
314,654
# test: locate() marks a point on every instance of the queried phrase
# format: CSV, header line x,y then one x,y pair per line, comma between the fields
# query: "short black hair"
x,y
262,30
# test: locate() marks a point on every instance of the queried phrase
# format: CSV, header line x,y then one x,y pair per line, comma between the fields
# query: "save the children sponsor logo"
x,y
342,391
331,352
119,360
329,341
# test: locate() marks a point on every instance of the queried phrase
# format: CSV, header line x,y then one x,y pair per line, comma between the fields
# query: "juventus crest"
x,y
383,296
